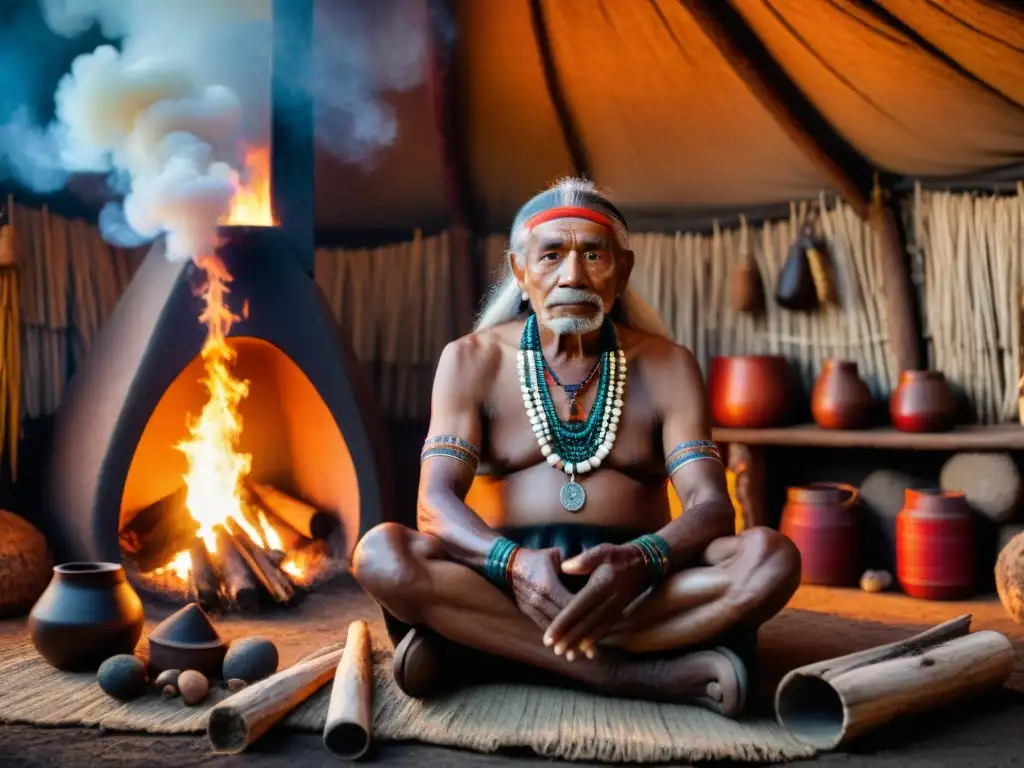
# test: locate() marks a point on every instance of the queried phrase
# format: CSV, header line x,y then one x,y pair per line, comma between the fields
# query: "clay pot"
x,y
841,399
751,392
88,613
821,520
935,545
922,402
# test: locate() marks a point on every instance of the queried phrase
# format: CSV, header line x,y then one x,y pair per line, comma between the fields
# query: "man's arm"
x,y
451,452
692,461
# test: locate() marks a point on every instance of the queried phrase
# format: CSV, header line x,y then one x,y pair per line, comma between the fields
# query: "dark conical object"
x,y
186,639
795,289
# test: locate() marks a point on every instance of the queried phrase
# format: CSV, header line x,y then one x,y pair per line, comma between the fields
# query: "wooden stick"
x,y
241,719
276,583
304,518
349,727
237,580
832,702
202,579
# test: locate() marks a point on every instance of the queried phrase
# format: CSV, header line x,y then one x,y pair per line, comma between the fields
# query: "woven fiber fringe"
x,y
555,723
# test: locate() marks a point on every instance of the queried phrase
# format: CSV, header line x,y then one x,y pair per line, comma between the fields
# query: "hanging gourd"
x,y
805,281
747,292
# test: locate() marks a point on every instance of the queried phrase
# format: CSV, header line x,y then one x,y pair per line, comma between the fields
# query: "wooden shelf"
x,y
1003,437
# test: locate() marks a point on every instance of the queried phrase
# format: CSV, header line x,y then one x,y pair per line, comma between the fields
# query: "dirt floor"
x,y
984,733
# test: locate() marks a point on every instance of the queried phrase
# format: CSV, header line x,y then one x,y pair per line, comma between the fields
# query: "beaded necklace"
x,y
574,447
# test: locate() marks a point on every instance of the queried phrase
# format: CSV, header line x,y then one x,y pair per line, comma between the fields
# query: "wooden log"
x,y
237,581
290,538
240,720
304,518
349,727
832,702
747,463
274,581
203,583
159,532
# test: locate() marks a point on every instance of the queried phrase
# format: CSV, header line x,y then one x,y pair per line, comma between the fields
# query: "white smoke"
x,y
167,114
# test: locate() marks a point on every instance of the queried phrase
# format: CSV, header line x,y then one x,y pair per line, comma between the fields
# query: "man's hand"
x,y
535,583
618,576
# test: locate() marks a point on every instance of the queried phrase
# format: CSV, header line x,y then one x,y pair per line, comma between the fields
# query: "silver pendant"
x,y
572,496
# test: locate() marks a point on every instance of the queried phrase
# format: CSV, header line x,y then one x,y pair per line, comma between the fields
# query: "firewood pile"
x,y
268,559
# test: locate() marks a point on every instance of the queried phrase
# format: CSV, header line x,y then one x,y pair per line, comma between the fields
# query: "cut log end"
x,y
812,710
227,731
347,740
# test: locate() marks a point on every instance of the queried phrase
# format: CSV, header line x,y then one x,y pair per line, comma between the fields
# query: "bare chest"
x,y
510,444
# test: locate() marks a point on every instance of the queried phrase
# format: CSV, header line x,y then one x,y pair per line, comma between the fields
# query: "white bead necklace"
x,y
528,363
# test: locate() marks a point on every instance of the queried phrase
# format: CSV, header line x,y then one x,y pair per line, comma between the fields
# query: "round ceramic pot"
x,y
841,399
922,402
750,392
820,519
935,545
88,613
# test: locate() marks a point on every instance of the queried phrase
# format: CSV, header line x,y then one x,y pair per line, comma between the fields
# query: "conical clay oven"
x,y
236,471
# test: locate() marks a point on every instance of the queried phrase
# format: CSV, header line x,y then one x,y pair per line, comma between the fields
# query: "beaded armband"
x,y
657,556
692,450
452,447
499,560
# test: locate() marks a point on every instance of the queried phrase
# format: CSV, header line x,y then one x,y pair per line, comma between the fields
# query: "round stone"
x,y
250,659
123,677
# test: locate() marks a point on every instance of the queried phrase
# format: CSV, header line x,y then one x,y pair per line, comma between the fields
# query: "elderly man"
x,y
571,391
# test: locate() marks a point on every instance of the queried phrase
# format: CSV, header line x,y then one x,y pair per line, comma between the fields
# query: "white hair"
x,y
504,301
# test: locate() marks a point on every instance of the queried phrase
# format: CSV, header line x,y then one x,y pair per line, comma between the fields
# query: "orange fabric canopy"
x,y
922,88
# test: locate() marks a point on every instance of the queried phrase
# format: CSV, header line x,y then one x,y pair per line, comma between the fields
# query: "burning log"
x,y
203,584
237,580
274,581
159,532
304,518
239,720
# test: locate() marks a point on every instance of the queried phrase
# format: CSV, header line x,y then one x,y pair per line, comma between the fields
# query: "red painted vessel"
x,y
935,545
750,391
821,520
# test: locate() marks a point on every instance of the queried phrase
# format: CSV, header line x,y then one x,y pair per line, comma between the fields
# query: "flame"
x,y
251,205
217,470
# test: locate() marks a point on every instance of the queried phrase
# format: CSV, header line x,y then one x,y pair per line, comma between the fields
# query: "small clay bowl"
x,y
187,639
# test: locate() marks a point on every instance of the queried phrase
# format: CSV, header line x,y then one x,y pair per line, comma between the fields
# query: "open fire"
x,y
239,541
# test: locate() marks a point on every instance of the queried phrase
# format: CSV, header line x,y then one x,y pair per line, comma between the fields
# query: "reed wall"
x,y
397,302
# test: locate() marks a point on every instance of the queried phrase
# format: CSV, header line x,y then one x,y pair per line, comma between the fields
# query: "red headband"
x,y
569,212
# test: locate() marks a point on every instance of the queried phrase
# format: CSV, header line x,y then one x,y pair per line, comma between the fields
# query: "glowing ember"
x,y
216,469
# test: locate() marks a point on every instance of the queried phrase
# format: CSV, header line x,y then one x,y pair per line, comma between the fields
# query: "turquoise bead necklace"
x,y
574,447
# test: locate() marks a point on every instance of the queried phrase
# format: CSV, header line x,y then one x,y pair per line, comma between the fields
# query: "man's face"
x,y
572,271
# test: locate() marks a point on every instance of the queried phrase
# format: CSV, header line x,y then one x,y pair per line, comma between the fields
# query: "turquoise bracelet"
x,y
657,555
498,559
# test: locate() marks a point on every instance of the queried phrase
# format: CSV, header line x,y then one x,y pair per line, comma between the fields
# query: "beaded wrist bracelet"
x,y
656,553
499,559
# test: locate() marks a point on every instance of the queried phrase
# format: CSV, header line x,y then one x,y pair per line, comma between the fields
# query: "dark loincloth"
x,y
572,539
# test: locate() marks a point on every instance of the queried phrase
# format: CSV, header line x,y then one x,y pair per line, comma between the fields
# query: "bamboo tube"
x,y
833,702
349,727
241,719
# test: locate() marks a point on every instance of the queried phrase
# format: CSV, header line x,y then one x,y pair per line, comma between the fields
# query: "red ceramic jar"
x,y
922,402
841,399
935,545
820,519
750,392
